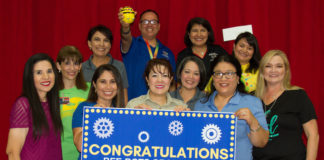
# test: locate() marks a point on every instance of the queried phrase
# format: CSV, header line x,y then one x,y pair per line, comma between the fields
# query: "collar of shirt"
x,y
245,66
194,98
148,99
91,65
234,100
157,41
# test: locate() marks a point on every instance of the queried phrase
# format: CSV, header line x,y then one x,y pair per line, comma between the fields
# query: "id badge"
x,y
64,100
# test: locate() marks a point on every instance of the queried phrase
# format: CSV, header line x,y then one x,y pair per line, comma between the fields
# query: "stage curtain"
x,y
31,26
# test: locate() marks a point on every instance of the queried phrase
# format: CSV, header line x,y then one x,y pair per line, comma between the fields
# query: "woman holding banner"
x,y
106,91
158,75
228,96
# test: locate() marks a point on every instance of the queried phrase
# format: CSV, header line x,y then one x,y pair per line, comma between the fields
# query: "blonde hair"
x,y
261,83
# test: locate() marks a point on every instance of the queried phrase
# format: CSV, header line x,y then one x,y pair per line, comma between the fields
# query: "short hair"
x,y
157,63
118,100
103,30
71,53
205,24
256,57
201,67
261,83
40,123
233,61
150,10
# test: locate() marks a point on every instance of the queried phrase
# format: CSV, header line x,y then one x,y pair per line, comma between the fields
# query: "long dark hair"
x,y
29,91
205,24
256,58
201,67
228,59
71,53
118,100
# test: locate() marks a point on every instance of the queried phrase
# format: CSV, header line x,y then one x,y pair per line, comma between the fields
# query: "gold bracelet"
x,y
255,130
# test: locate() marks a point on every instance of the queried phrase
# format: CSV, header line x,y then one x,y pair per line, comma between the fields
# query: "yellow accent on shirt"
x,y
249,79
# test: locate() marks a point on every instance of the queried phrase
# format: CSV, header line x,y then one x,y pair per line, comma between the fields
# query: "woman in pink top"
x,y
35,123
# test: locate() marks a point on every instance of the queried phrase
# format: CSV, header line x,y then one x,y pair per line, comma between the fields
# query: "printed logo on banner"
x,y
129,134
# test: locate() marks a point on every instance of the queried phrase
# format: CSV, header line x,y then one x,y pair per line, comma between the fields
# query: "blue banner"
x,y
129,134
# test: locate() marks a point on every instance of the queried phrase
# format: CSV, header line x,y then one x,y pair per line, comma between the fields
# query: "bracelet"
x,y
122,32
255,130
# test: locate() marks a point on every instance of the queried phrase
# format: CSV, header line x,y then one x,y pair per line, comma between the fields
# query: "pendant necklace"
x,y
267,112
200,54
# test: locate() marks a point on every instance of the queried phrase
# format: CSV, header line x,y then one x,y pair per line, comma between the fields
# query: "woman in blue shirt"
x,y
106,91
228,96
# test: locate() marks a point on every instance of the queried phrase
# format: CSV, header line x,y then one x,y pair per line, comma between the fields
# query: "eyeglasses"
x,y
228,75
153,22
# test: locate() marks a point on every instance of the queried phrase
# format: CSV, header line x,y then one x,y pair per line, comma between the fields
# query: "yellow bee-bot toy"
x,y
129,14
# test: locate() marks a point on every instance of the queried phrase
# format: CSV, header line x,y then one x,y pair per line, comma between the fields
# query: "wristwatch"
x,y
122,32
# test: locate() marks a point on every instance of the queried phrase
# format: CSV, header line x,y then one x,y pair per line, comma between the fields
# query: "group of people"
x,y
46,120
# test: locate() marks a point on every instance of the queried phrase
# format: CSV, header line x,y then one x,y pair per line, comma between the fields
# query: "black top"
x,y
292,109
212,52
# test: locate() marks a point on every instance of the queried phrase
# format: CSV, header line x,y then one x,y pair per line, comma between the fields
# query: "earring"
x,y
238,82
79,71
59,71
90,48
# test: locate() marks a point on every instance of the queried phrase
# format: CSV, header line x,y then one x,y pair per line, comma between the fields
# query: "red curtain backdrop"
x,y
31,26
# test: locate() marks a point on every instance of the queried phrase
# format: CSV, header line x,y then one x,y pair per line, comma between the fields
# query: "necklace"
x,y
267,112
201,54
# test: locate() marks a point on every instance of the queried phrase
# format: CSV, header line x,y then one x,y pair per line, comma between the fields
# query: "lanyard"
x,y
150,51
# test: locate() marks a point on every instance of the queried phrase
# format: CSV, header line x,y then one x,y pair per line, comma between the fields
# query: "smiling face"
x,y
44,77
159,80
243,51
225,86
149,31
274,71
99,44
198,35
70,69
190,75
106,87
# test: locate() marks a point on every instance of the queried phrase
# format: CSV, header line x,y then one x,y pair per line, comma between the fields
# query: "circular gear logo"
x,y
211,134
175,128
103,128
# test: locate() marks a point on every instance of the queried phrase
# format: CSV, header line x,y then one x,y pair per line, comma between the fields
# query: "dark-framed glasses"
x,y
228,75
153,22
